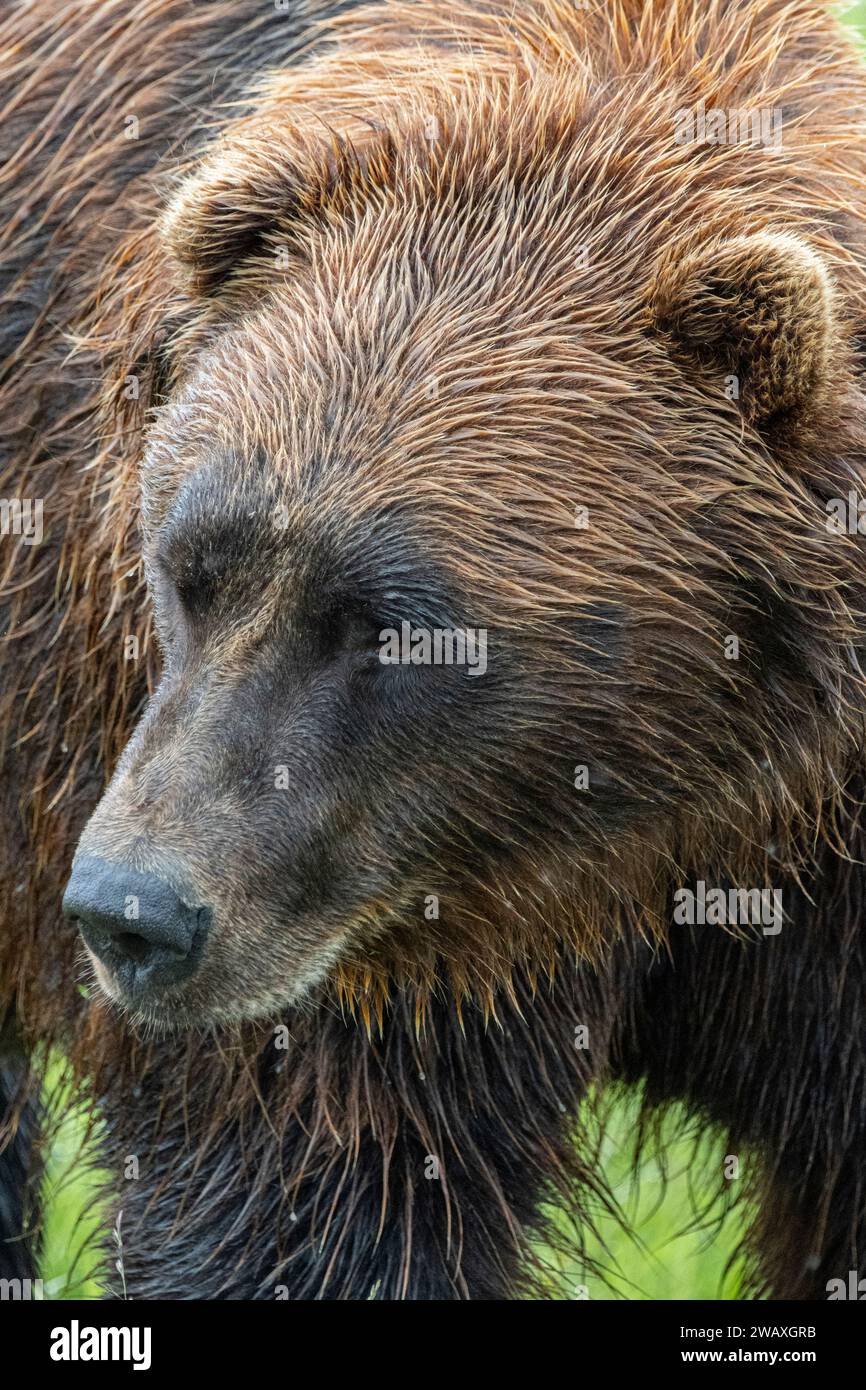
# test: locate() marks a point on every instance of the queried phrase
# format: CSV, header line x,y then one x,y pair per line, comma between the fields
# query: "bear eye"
x,y
198,581
191,578
349,628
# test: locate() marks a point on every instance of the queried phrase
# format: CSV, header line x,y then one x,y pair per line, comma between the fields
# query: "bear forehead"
x,y
422,472
391,386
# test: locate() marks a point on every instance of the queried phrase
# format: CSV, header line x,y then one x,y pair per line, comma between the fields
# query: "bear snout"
x,y
136,925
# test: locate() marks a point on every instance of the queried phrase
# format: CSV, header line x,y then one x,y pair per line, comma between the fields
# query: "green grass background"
x,y
663,1255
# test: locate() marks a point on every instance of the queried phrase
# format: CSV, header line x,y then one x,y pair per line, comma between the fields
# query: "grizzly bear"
x,y
526,331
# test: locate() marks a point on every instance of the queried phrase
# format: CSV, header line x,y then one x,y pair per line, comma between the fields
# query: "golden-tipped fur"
x,y
454,268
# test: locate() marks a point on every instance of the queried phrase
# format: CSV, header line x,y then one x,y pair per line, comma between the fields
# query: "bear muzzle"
x,y
137,926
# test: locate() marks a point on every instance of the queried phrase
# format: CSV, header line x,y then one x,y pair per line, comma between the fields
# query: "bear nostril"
x,y
138,948
135,923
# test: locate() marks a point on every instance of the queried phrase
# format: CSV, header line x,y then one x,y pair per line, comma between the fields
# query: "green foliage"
x,y
674,1236
71,1220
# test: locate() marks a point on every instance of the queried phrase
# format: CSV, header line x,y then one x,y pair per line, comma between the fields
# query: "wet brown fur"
x,y
552,134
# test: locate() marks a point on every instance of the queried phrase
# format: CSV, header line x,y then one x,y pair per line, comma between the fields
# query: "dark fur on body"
x,y
19,1164
305,1168
314,1179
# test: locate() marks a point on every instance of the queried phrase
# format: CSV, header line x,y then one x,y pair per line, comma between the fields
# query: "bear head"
x,y
484,501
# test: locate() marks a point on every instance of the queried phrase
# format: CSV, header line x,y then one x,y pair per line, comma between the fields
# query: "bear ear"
x,y
221,213
264,181
760,309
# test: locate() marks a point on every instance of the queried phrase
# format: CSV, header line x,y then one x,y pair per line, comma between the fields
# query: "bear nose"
x,y
136,924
